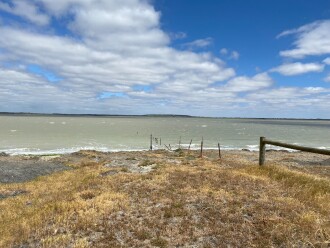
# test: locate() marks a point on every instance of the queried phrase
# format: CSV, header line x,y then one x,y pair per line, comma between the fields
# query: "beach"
x,y
165,199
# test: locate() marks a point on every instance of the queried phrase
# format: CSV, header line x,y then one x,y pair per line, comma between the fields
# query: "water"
x,y
46,135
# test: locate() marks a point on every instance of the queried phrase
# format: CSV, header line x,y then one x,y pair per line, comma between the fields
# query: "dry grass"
x,y
196,202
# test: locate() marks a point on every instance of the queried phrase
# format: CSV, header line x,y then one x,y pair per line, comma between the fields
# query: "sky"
x,y
226,58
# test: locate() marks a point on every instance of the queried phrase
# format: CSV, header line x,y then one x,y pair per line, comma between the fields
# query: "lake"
x,y
57,135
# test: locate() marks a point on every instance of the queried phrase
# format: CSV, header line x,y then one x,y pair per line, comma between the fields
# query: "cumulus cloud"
x,y
293,98
112,56
178,35
201,43
311,39
327,78
297,68
244,84
224,51
113,47
26,10
234,55
327,61
231,54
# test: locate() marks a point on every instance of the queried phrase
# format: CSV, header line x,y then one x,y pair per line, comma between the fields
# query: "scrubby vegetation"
x,y
184,201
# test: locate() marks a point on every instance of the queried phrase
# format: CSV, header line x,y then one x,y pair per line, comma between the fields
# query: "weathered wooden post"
x,y
189,145
219,150
202,143
150,142
180,143
262,151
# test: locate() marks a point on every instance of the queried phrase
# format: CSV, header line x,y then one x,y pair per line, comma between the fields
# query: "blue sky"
x,y
207,58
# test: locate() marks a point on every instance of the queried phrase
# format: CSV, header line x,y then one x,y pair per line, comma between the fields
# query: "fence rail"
x,y
264,141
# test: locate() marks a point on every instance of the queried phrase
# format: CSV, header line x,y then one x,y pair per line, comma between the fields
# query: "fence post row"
x,y
264,141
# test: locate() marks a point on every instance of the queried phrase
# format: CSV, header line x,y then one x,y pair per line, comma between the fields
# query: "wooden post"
x,y
151,142
202,148
180,143
219,150
262,151
189,145
160,141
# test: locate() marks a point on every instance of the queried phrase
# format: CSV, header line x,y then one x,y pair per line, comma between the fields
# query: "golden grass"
x,y
198,202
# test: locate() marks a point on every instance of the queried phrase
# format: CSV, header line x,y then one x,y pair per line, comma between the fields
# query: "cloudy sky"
x,y
231,58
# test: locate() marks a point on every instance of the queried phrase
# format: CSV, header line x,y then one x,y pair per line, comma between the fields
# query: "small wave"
x,y
34,151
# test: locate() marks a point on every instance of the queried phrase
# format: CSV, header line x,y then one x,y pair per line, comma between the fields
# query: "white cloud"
x,y
234,55
178,35
224,51
25,10
244,84
311,39
295,99
327,78
201,43
297,68
120,47
113,46
327,61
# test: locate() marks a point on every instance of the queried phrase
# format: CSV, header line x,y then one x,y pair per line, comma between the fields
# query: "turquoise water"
x,y
43,134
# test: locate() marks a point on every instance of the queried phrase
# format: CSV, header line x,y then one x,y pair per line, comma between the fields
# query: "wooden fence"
x,y
264,141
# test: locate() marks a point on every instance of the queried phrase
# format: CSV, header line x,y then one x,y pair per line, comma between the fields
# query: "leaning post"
x,y
262,151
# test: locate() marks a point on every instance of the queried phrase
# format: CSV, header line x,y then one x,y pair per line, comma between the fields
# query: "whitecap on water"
x,y
13,130
204,125
51,122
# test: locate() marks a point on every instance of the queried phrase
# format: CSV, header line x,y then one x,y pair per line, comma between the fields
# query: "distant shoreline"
x,y
146,115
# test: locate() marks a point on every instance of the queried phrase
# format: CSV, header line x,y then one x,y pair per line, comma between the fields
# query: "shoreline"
x,y
65,151
28,114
